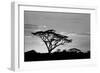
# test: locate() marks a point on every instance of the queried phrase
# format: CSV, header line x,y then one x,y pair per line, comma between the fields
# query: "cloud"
x,y
72,34
30,26
42,26
64,33
79,34
79,40
75,34
85,34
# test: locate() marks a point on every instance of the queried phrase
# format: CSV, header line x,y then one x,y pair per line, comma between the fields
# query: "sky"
x,y
74,25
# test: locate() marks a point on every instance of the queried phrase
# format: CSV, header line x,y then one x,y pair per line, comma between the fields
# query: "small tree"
x,y
52,39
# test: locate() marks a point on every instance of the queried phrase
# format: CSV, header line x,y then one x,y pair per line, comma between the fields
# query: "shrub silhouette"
x,y
74,50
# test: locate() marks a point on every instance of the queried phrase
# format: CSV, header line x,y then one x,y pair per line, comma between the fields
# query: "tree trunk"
x,y
49,51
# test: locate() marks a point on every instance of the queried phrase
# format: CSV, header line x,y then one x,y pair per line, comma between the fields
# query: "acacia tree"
x,y
52,39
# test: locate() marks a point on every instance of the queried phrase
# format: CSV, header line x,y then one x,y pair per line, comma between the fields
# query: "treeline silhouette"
x,y
73,53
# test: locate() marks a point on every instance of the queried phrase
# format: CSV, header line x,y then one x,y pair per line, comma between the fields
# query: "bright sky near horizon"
x,y
75,25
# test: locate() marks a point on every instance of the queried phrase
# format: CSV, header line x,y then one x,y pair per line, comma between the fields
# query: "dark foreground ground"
x,y
64,55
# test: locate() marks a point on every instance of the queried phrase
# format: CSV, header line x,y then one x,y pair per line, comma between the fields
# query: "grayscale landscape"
x,y
56,36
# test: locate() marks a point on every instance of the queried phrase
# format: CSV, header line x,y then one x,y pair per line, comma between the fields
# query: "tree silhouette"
x,y
52,39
